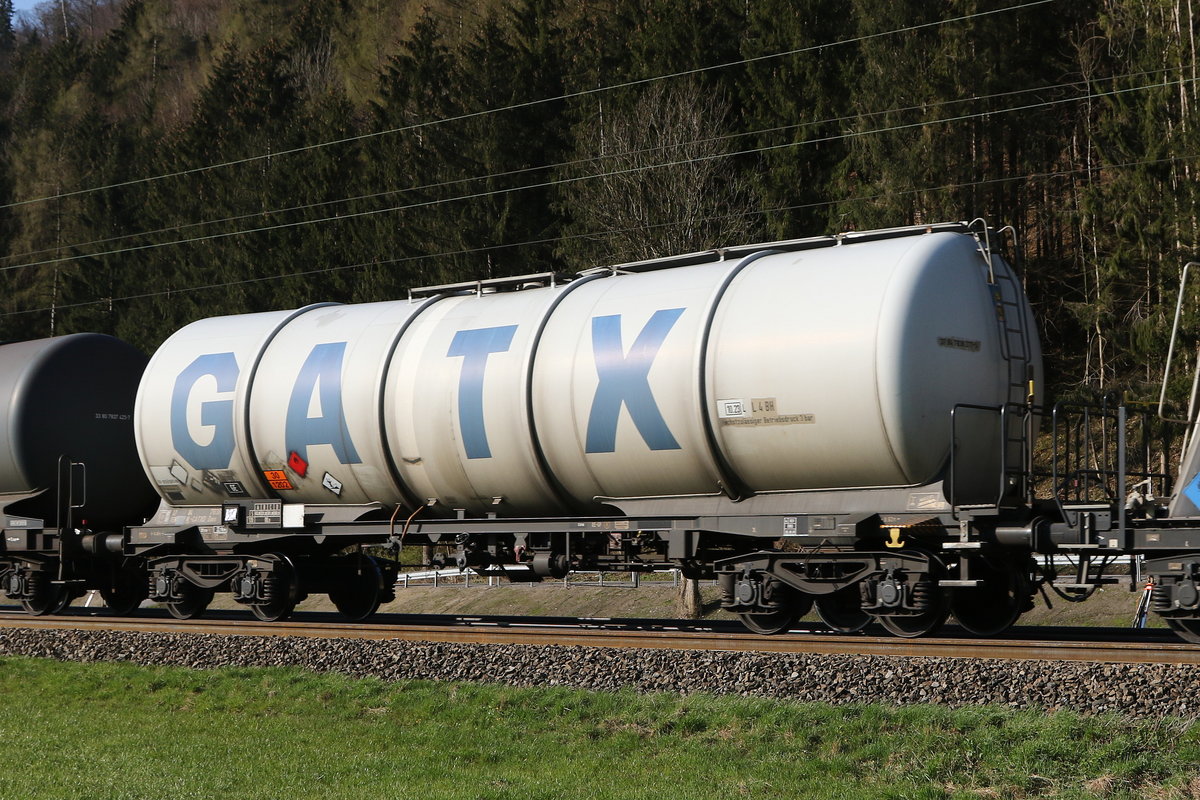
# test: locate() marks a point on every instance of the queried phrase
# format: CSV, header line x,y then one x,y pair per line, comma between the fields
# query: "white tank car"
x,y
821,367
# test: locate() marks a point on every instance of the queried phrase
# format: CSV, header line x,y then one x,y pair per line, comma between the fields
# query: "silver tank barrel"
x,y
786,370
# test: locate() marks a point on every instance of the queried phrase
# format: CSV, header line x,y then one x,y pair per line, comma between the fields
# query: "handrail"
x,y
1162,396
540,279
986,249
1092,448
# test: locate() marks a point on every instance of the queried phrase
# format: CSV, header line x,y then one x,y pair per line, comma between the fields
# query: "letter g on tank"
x,y
214,414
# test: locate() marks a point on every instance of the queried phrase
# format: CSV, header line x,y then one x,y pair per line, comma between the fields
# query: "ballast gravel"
x,y
1136,690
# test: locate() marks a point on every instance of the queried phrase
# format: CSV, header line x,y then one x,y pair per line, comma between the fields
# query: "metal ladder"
x,y
1015,349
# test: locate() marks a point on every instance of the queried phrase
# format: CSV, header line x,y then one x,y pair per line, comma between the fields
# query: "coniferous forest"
x,y
166,160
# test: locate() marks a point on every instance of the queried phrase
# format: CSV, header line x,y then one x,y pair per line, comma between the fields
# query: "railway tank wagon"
x,y
688,412
845,422
70,477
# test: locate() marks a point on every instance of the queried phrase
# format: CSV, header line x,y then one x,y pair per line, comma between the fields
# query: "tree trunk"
x,y
687,598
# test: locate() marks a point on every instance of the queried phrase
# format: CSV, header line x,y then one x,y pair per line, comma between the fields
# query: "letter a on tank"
x,y
625,381
321,372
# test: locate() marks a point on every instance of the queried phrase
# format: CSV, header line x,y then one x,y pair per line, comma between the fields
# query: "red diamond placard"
x,y
298,464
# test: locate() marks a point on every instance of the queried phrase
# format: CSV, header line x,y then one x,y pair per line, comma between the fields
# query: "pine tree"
x,y
410,165
514,59
1142,212
889,161
6,26
792,105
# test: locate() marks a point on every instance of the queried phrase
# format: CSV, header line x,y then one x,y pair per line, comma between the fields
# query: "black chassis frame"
x,y
34,556
817,553
821,553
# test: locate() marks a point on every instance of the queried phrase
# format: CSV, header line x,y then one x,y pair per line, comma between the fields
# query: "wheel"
x,y
275,611
195,601
911,627
282,593
1186,629
363,589
54,601
46,598
842,610
923,624
126,593
991,609
769,623
793,606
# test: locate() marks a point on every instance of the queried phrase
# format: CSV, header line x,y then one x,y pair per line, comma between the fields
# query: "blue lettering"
x,y
1192,491
475,346
217,414
625,381
323,367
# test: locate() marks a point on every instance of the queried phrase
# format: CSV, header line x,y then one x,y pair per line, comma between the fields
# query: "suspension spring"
x,y
922,595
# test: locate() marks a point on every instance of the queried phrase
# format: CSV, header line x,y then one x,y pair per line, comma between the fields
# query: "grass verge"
x,y
118,731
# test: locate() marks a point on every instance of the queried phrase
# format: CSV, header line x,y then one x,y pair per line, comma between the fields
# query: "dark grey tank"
x,y
72,397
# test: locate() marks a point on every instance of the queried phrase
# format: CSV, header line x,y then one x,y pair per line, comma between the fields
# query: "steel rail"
x,y
537,631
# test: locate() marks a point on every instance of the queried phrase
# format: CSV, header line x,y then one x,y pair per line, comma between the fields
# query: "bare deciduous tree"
x,y
658,180
313,70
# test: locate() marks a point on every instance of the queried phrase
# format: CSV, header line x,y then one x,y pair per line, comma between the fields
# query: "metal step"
x,y
1103,580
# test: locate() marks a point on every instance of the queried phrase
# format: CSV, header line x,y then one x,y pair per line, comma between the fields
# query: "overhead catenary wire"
x,y
580,162
593,234
524,105
576,179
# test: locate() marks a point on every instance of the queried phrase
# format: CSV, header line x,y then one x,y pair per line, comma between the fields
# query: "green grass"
x,y
118,731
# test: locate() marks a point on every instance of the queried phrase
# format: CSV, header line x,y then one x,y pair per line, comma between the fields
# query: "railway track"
x,y
1106,645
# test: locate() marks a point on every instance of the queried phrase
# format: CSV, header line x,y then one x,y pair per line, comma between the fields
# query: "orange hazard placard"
x,y
278,479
